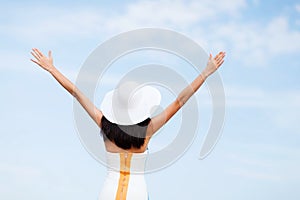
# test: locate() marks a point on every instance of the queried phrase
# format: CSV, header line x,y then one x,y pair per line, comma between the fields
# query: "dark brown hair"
x,y
125,136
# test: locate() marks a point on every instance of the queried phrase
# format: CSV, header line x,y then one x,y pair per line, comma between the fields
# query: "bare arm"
x,y
158,121
47,64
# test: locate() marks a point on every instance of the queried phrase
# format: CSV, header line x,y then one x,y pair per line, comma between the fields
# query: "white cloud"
x,y
174,14
256,2
15,61
18,173
245,97
282,105
255,44
45,23
253,174
280,161
202,21
297,7
280,37
256,97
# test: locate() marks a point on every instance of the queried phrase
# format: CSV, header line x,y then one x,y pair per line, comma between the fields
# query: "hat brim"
x,y
150,98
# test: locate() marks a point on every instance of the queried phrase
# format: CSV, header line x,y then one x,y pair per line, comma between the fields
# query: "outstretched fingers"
x,y
35,54
35,61
220,63
220,58
38,52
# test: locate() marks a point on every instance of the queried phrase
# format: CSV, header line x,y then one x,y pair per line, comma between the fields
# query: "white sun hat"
x,y
130,103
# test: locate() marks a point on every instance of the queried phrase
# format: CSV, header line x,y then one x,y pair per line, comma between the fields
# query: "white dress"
x,y
125,177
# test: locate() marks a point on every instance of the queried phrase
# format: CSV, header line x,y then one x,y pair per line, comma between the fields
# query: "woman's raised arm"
x,y
47,64
158,121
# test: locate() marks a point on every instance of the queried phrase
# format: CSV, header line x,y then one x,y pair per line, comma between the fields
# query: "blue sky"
x,y
258,155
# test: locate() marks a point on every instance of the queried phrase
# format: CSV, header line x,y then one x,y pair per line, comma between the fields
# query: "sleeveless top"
x,y
125,177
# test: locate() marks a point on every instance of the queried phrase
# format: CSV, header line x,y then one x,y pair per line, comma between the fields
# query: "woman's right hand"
x,y
213,64
43,61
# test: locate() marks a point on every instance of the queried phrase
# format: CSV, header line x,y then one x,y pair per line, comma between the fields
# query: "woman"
x,y
126,126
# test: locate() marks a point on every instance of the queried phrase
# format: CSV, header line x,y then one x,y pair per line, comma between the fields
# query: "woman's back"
x,y
125,177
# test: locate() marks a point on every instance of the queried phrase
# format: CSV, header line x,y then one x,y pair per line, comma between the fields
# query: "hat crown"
x,y
130,103
126,95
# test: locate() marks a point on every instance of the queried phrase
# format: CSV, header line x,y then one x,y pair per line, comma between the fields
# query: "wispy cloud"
x,y
281,106
251,174
297,7
256,97
16,173
14,61
48,23
259,42
203,21
177,14
264,162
